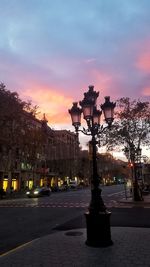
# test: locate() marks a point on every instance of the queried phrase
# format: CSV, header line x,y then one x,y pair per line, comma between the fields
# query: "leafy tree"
x,y
17,132
11,108
132,125
12,111
131,130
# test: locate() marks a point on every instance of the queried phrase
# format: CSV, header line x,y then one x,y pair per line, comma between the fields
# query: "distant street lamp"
x,y
136,158
97,217
133,154
138,154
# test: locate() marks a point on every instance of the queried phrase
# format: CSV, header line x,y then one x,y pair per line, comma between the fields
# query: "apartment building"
x,y
39,156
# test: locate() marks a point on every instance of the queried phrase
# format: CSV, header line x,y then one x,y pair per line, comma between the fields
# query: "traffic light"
x,y
130,164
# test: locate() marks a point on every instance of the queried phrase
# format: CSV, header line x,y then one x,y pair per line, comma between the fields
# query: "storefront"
x,y
10,183
5,183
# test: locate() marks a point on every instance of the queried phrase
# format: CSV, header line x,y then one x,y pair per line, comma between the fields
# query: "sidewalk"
x,y
14,195
67,248
129,200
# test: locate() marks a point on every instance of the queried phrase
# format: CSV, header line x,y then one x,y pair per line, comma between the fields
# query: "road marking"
x,y
17,248
117,193
110,204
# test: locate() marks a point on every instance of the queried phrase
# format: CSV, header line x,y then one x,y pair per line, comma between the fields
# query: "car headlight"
x,y
27,193
36,192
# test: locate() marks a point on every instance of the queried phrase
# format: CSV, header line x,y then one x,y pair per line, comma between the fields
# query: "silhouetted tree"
x,y
131,130
132,124
16,131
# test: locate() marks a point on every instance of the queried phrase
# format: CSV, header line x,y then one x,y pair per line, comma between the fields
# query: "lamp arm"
x,y
84,131
102,129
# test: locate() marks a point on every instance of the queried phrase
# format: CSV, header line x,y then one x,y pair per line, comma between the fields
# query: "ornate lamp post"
x,y
135,156
138,175
139,154
97,217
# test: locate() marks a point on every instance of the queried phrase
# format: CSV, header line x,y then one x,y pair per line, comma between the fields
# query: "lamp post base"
x,y
98,229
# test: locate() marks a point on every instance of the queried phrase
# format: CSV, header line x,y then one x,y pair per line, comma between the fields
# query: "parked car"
x,y
39,192
55,188
73,185
63,187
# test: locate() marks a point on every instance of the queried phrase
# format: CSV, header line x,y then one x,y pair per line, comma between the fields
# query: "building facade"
x,y
39,156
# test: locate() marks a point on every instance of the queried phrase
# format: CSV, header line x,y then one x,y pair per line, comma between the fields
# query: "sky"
x,y
52,50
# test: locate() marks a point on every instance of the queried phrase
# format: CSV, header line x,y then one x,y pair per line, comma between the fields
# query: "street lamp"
x,y
138,154
97,216
135,157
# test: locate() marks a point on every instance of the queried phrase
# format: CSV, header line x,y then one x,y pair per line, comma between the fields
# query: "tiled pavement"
x,y
67,248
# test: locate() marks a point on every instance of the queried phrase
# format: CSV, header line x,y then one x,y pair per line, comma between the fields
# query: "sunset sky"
x,y
51,51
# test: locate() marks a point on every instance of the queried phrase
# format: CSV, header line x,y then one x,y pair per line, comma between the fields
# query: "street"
x,y
25,219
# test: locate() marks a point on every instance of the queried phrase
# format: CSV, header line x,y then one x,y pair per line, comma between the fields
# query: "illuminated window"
x,y
14,184
41,181
5,184
30,184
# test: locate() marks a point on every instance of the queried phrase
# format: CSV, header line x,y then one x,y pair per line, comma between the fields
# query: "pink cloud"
x,y
95,76
146,91
143,62
143,59
101,79
50,101
105,83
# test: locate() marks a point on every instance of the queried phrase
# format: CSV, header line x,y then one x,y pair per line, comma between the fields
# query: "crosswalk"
x,y
50,204
45,205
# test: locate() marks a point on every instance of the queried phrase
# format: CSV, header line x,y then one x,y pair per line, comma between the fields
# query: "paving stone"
x,y
130,249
